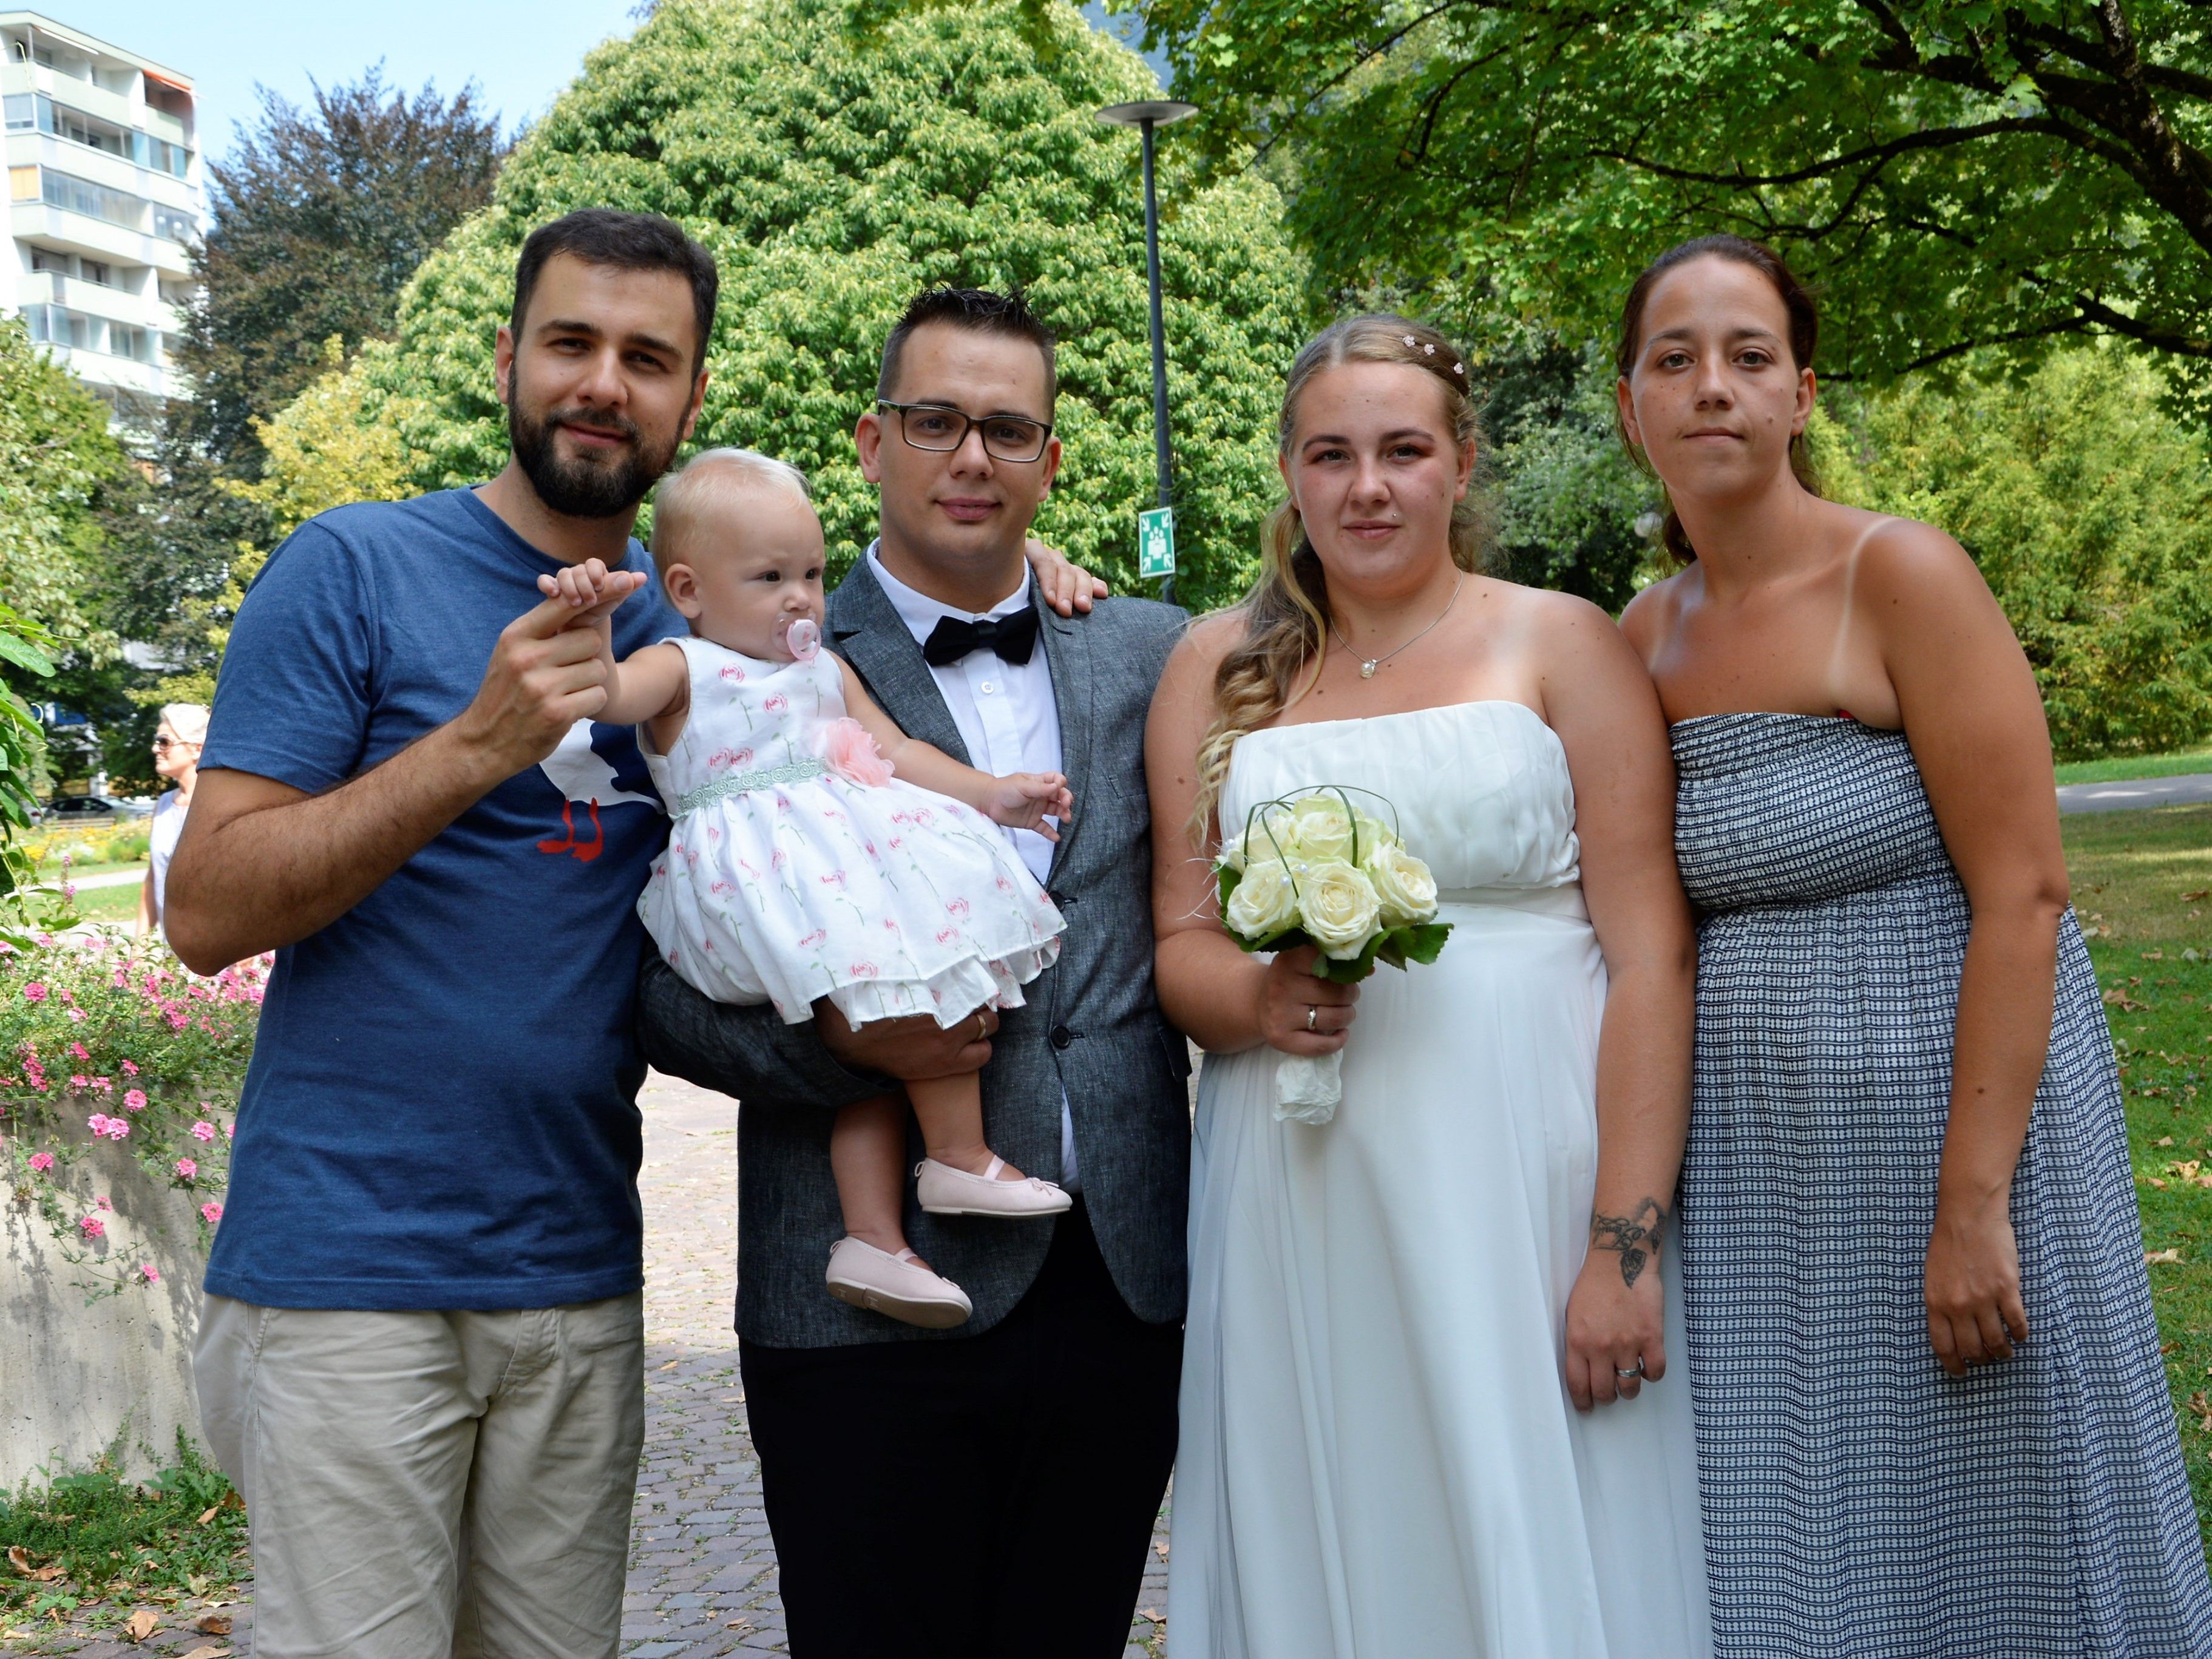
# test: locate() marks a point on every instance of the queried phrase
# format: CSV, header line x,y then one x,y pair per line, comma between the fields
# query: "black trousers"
x,y
986,1498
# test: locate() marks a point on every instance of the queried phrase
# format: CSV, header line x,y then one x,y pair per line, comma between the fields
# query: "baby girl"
x,y
818,851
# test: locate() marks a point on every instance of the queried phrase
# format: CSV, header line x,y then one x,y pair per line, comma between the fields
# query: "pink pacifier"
x,y
802,638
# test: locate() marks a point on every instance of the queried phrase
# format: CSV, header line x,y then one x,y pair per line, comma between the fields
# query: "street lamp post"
x,y
1145,116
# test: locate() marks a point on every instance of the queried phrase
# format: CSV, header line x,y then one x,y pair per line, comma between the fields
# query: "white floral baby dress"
x,y
786,880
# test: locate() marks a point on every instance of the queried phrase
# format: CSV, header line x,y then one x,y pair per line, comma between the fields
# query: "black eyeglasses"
x,y
162,740
941,429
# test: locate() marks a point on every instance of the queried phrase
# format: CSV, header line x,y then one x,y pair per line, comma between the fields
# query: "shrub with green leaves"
x,y
2088,510
837,163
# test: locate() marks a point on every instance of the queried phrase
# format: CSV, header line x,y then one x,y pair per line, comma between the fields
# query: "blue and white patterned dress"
x,y
1859,1504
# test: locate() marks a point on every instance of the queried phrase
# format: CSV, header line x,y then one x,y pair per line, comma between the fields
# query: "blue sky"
x,y
519,52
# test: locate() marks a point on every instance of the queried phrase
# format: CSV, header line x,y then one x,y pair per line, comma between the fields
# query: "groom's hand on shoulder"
x,y
907,1048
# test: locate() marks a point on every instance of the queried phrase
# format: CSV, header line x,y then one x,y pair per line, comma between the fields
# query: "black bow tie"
x,y
1013,637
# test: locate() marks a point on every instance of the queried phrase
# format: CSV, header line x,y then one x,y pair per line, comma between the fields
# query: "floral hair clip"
x,y
1431,349
1410,340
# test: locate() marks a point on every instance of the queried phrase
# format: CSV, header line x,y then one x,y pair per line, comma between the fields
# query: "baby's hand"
x,y
590,588
1031,800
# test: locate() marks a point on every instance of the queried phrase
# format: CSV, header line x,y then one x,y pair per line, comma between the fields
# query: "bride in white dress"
x,y
1422,1406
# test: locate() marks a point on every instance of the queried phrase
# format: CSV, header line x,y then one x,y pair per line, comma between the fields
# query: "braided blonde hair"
x,y
1286,614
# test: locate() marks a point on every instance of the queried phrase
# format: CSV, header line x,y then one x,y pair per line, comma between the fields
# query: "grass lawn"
x,y
2144,882
117,904
2137,766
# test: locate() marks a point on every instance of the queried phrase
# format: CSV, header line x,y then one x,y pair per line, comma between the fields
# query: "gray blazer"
x,y
1092,1024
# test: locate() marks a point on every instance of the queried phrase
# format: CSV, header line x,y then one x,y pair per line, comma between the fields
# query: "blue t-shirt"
x,y
441,1109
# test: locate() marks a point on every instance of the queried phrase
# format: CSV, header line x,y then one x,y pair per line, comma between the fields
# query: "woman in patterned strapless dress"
x,y
1932,1416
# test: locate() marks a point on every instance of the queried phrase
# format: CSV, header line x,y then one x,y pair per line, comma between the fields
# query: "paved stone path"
x,y
2132,794
702,1580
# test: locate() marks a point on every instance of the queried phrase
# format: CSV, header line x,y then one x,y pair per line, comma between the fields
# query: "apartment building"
x,y
104,190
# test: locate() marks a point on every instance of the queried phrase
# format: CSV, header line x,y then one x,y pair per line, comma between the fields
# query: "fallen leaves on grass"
x,y
2200,893
141,1624
2201,1409
2152,1256
19,1559
231,1500
212,1624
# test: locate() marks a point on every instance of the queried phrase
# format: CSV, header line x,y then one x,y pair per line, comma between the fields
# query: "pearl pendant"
x,y
1367,669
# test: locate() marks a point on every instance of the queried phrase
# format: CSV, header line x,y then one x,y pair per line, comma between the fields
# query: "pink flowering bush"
x,y
77,1017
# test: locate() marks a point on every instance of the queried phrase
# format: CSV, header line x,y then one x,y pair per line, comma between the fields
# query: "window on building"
x,y
44,259
135,343
54,325
171,226
20,110
23,184
66,190
96,270
176,294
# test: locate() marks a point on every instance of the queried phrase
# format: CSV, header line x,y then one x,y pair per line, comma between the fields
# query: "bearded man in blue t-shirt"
x,y
422,1353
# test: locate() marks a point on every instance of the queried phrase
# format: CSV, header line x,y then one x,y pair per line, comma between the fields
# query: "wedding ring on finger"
x,y
1637,1370
983,1030
1313,1016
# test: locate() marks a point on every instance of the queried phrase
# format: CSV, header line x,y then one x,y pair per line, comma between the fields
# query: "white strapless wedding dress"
x,y
1379,1458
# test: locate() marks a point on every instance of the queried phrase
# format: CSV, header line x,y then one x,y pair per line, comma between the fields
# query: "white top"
x,y
1009,719
168,824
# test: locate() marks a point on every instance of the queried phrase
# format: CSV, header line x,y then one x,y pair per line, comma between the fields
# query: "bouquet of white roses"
x,y
1313,869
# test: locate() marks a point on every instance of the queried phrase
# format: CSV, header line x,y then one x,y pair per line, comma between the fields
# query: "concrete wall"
x,y
76,1380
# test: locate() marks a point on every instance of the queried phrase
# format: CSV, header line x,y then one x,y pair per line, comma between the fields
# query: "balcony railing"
x,y
34,112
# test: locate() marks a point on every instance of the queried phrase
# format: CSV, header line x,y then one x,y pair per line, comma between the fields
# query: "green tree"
x,y
1951,173
2089,511
837,161
1567,497
317,219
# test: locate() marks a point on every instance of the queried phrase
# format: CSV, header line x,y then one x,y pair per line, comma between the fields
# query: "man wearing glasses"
x,y
990,1489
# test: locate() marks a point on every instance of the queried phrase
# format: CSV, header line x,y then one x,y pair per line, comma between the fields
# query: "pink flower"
x,y
730,671
210,1213
97,1123
956,908
149,1272
230,1132
93,1227
129,1070
101,1203
187,1169
852,754
813,939
203,1130
135,1100
42,1162
947,935
102,1085
177,1020
78,1049
34,992
834,879
863,971
776,702
77,1014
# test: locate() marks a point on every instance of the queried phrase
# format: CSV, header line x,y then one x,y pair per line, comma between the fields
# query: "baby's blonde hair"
x,y
706,481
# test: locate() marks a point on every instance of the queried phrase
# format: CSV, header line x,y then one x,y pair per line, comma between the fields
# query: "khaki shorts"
x,y
426,1484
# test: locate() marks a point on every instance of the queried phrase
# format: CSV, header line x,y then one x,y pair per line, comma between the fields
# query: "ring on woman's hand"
x,y
1313,1013
982,1031
1637,1370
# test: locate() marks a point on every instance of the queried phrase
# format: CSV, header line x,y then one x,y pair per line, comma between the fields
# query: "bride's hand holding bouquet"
x,y
1332,891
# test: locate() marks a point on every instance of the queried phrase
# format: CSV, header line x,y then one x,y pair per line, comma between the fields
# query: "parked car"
x,y
92,809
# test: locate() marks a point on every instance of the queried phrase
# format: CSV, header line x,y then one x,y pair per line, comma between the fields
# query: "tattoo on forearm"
x,y
1636,1236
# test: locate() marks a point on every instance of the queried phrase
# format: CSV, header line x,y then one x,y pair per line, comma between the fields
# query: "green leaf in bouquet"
x,y
1289,939
1423,941
1225,880
1352,969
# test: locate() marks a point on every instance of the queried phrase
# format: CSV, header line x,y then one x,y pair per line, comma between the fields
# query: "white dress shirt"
x,y
1009,719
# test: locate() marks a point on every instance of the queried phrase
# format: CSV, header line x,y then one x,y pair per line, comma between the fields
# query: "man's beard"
x,y
589,486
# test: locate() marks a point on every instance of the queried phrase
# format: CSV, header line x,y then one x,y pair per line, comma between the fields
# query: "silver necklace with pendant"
x,y
1368,664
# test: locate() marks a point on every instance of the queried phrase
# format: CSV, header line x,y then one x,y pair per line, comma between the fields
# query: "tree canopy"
x,y
836,161
317,219
1951,173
